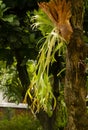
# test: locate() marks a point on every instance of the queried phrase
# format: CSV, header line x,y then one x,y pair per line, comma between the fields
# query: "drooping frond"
x,y
42,94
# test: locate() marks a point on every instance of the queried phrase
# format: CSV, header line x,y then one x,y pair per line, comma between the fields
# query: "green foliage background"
x,y
20,122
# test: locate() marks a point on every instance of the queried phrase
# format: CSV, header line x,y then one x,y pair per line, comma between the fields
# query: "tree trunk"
x,y
22,71
44,120
75,90
50,123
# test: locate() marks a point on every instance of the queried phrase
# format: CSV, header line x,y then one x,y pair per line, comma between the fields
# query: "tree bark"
x,y
75,90
75,81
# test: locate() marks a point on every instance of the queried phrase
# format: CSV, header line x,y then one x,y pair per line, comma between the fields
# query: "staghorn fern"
x,y
42,22
59,12
40,89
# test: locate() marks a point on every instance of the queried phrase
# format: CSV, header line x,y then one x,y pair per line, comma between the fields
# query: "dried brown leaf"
x,y
59,12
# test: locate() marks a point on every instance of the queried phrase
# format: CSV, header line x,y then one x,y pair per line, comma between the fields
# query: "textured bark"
x,y
75,90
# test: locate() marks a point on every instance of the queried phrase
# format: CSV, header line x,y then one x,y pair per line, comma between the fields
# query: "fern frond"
x,y
41,21
40,84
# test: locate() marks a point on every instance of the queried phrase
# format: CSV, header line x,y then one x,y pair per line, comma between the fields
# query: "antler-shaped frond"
x,y
59,12
46,7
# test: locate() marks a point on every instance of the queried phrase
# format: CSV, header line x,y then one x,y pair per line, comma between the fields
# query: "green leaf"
x,y
42,22
11,19
85,38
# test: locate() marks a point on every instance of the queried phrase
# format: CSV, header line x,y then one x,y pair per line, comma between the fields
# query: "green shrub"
x,y
20,122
